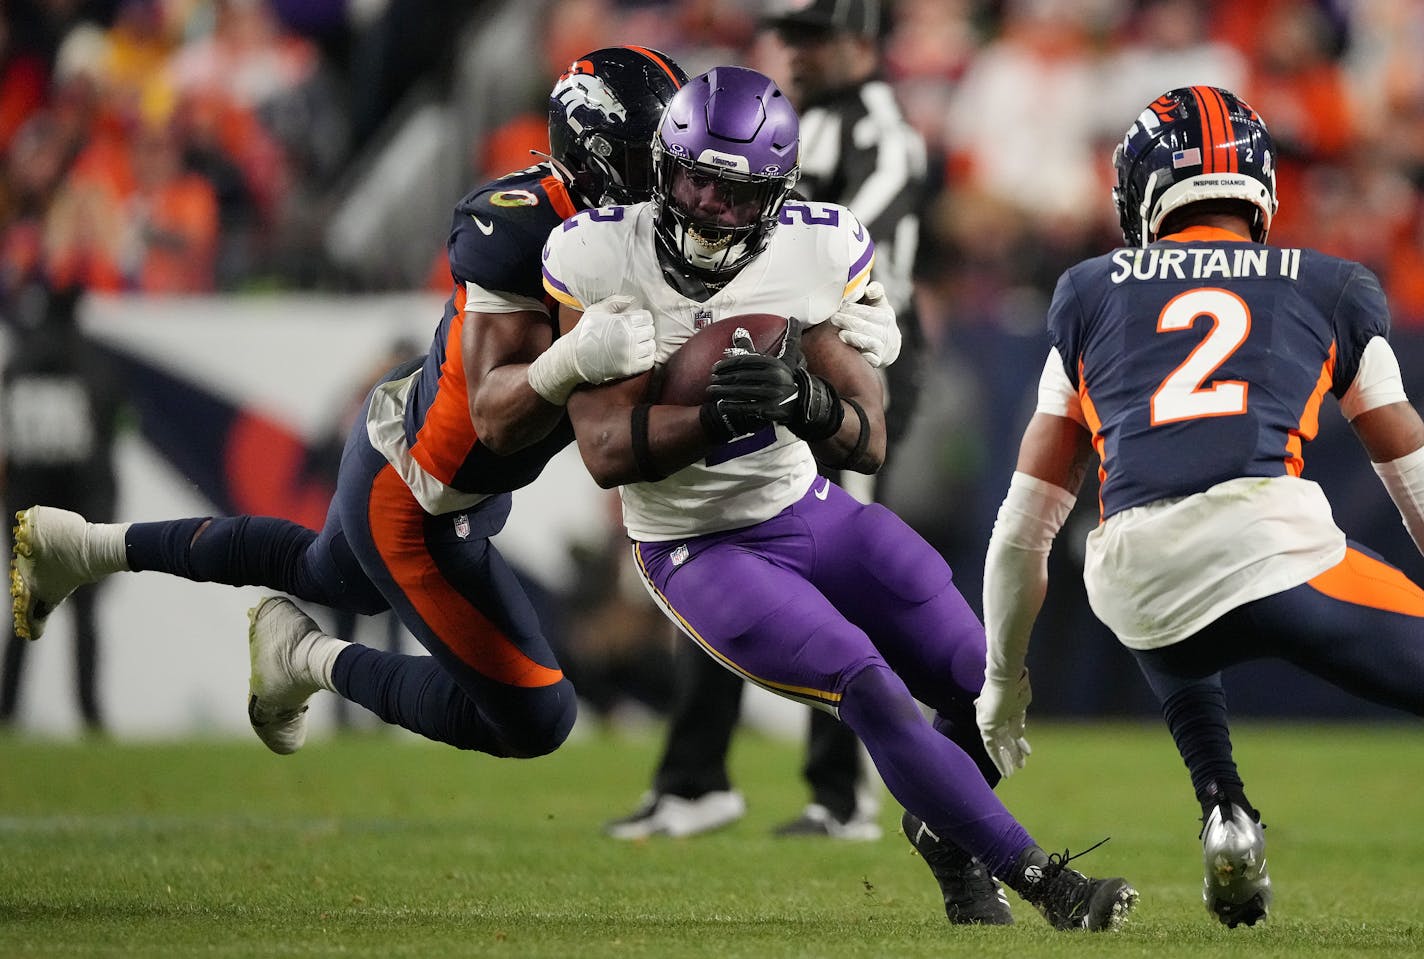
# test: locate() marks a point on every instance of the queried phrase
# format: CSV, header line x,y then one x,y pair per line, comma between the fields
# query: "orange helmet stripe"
x,y
1228,139
660,62
1218,138
1208,137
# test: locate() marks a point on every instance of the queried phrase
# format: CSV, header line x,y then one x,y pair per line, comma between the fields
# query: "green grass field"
x,y
381,846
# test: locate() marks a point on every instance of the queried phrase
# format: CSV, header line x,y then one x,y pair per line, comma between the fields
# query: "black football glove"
x,y
818,411
791,353
747,392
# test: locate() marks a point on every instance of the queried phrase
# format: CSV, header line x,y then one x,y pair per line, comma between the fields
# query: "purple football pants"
x,y
841,605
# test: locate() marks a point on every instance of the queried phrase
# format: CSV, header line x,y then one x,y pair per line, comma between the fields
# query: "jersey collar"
x,y
1205,234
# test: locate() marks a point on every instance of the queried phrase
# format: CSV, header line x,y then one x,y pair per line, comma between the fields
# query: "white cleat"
x,y
1237,887
55,552
817,820
663,814
281,682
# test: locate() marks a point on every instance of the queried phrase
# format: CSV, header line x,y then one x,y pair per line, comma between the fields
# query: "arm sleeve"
x,y
1404,480
1016,569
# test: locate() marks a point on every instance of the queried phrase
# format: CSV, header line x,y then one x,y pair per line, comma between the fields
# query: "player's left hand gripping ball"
x,y
1001,710
869,326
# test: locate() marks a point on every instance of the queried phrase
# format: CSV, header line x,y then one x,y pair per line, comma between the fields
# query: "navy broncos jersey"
x,y
496,237
1203,357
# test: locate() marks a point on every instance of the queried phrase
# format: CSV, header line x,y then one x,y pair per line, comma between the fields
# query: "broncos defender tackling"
x,y
1194,363
427,473
780,575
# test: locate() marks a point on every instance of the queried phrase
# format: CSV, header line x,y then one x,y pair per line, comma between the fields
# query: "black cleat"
x,y
1067,898
971,895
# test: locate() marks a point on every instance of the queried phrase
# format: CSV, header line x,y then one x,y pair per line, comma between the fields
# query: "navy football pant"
x,y
1359,625
491,681
840,605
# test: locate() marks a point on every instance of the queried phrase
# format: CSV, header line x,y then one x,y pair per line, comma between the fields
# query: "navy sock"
x,y
417,693
1196,716
236,550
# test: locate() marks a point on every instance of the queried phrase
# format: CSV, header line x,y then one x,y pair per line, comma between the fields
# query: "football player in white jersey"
x,y
781,576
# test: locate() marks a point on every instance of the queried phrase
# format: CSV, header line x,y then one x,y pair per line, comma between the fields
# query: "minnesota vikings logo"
x,y
587,98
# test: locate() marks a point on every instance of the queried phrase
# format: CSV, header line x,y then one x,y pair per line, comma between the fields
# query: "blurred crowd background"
x,y
166,146
241,147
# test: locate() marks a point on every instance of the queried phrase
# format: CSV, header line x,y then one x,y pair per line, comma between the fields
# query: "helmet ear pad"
x,y
602,116
1193,145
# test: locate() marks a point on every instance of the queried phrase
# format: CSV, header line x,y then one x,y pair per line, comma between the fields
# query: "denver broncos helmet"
x,y
602,114
1193,144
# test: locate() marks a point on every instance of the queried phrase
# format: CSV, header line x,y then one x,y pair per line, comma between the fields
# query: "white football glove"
x,y
1000,712
610,341
869,326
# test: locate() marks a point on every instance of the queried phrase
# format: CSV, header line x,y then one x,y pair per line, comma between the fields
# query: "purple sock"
x,y
928,774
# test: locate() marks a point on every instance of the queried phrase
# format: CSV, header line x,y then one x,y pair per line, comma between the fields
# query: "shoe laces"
x,y
1059,861
1063,887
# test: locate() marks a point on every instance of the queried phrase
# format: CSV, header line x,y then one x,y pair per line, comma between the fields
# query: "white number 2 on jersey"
x,y
1182,395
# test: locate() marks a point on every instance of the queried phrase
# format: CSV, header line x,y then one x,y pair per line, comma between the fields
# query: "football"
x,y
683,379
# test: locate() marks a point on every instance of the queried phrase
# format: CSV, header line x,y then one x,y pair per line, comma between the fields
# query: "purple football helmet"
x,y
725,158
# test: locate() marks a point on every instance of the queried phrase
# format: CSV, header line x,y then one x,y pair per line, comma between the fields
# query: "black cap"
x,y
861,17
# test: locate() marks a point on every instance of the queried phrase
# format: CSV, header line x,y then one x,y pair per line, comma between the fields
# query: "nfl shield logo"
x,y
701,318
462,526
679,556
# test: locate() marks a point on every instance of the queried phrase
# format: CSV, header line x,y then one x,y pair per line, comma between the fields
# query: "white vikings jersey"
x,y
817,259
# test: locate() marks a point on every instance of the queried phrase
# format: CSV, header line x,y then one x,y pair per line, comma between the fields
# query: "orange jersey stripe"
x,y
1365,581
1095,425
1309,417
448,434
397,521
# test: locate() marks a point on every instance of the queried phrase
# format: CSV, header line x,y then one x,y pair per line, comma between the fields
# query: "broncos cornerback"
x,y
1194,363
427,473
779,575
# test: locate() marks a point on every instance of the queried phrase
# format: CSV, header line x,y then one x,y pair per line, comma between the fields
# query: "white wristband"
x,y
1404,479
554,373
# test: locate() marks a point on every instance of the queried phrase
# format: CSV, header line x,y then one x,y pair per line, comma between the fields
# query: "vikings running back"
x,y
779,575
791,258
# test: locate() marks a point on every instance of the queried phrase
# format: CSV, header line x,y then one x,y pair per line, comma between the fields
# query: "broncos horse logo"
x,y
587,98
